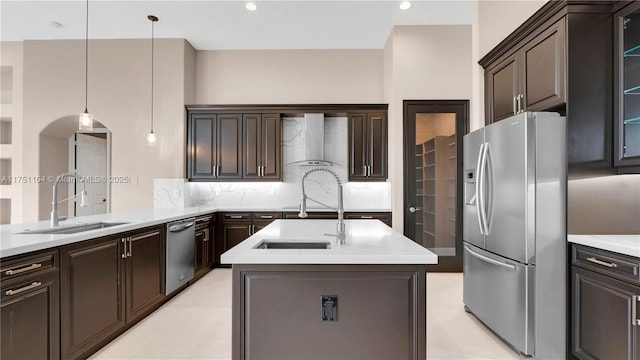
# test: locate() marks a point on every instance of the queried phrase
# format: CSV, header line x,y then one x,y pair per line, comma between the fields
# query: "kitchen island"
x,y
294,298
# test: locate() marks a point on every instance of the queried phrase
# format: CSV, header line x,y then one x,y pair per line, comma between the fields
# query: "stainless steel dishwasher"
x,y
180,253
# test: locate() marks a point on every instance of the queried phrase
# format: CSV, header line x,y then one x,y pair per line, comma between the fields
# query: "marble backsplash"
x,y
177,193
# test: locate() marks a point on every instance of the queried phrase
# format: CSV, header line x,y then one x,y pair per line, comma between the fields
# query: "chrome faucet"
x,y
340,228
54,197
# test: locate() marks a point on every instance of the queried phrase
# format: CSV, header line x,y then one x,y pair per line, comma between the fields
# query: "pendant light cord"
x,y
86,61
152,40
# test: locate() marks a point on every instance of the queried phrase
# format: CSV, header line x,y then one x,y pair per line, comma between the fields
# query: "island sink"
x,y
279,244
74,229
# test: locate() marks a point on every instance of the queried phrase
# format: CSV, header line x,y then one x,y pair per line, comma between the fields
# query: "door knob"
x,y
414,209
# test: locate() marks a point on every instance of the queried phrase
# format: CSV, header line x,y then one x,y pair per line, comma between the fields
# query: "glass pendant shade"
x,y
85,122
151,139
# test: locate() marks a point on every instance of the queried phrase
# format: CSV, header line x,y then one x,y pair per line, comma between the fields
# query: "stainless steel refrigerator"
x,y
515,231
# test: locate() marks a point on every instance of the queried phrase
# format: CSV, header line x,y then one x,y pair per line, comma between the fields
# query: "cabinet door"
x,y
92,296
602,324
200,249
201,149
627,88
229,146
270,146
501,87
376,146
210,248
145,272
544,69
357,144
234,234
31,319
252,146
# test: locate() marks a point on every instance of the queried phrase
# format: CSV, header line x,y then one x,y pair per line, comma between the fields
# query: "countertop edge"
x,y
622,244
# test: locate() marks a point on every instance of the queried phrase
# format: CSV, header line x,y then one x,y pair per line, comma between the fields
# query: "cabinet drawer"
x,y
204,222
626,268
25,266
244,216
384,217
266,216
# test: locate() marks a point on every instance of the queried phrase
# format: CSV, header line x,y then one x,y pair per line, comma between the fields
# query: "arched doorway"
x,y
65,149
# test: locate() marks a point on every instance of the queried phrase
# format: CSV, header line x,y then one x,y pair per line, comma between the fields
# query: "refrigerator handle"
x,y
477,196
482,215
489,193
489,260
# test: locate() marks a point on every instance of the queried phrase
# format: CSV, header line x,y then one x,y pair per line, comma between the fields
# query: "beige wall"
x,y
606,205
120,98
11,54
427,63
289,76
54,161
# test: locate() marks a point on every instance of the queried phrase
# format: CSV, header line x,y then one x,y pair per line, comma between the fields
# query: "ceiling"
x,y
227,25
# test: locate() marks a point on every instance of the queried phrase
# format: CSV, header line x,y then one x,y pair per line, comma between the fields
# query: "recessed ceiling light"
x,y
251,6
405,5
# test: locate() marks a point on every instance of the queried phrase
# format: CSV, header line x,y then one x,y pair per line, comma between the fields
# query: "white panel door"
x,y
91,164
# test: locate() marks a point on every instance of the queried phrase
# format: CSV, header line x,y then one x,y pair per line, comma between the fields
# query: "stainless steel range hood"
x,y
313,140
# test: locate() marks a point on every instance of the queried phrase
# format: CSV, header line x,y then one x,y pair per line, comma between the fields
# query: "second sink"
x,y
276,244
74,229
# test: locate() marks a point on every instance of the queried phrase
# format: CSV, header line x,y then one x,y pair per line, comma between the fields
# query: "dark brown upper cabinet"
x,y
530,79
214,146
627,89
262,149
368,146
560,59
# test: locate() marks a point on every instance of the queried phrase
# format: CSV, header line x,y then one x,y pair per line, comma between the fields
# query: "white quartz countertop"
x,y
13,243
368,242
622,244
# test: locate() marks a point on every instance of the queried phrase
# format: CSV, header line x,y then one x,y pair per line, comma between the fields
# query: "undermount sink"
x,y
74,229
299,245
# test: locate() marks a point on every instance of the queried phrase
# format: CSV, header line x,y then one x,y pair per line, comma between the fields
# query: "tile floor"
x,y
196,324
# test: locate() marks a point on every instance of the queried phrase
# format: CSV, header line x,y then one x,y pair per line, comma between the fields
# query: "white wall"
x,y
120,98
426,63
289,76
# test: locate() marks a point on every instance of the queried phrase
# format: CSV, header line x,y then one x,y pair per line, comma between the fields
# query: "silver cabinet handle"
x,y
124,252
514,105
414,209
130,248
519,107
266,216
489,260
369,167
21,270
603,263
371,217
364,170
235,216
33,285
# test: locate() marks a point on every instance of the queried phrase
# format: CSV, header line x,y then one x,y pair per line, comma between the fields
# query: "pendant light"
x,y
85,121
151,137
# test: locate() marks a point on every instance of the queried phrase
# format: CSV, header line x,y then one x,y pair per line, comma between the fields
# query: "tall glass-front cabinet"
x,y
627,86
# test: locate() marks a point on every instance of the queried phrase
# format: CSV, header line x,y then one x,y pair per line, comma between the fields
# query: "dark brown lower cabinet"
x,y
606,309
204,247
144,272
107,284
31,319
92,294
